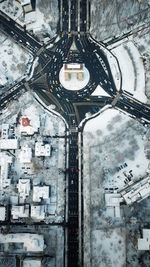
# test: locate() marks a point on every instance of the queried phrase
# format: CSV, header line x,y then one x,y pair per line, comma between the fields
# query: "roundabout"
x,y
79,67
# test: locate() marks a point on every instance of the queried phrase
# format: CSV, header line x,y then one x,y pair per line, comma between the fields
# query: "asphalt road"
x,y
19,33
74,16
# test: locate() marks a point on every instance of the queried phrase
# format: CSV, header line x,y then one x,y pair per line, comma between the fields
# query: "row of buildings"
x,y
41,206
29,201
31,245
134,192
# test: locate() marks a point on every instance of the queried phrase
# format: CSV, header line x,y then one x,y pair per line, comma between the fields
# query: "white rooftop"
x,y
25,2
113,199
2,213
32,242
8,144
137,192
38,212
52,208
24,188
25,154
20,212
42,150
41,192
112,202
5,160
144,243
32,263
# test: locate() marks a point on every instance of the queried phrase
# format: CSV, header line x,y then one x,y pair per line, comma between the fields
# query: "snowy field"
x,y
132,70
142,42
110,18
116,139
113,145
13,8
99,91
14,60
74,84
111,251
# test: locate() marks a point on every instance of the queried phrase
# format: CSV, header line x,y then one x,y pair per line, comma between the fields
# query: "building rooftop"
x,y
23,189
41,192
32,263
25,154
31,242
112,202
20,212
25,2
38,212
5,131
42,150
29,126
2,213
5,160
25,122
6,144
144,243
137,191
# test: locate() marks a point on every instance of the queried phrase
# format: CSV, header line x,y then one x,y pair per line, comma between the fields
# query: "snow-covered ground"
x,y
108,247
99,91
115,70
73,83
116,139
14,60
113,144
13,8
142,41
110,18
132,69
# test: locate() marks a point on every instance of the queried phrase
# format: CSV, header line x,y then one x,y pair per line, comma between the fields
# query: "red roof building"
x,y
25,122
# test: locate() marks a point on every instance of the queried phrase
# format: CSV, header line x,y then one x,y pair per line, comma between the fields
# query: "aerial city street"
x,y
74,133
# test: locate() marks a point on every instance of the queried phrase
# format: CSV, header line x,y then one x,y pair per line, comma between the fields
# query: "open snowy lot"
x,y
113,145
15,61
132,70
110,18
111,251
12,7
